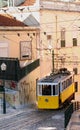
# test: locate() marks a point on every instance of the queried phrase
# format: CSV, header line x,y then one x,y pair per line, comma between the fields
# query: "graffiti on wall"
x,y
11,85
26,91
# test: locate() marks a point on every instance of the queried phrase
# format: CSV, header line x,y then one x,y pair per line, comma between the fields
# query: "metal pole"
x,y
4,102
53,61
3,68
56,44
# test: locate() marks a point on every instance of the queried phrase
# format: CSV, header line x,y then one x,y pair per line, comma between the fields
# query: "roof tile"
x,y
6,20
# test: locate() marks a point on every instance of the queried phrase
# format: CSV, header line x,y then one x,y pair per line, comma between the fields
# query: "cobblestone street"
x,y
30,118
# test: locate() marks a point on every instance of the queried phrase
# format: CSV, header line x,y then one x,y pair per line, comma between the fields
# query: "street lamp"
x,y
3,68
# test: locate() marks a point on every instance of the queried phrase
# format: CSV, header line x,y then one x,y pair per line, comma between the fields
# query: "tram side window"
x,y
60,88
46,90
40,90
53,89
67,82
63,85
70,81
56,89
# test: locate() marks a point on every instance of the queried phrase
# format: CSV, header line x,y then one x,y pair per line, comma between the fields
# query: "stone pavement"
x,y
55,121
74,123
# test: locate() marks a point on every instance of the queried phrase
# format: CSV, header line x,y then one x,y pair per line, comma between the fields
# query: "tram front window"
x,y
46,89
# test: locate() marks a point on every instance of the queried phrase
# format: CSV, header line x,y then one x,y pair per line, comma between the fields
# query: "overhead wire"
x,y
43,22
58,22
28,47
55,60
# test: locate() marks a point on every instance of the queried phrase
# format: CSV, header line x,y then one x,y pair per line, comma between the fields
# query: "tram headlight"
x,y
46,100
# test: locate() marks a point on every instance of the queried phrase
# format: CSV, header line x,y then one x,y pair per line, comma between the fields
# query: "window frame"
x,y
62,43
75,70
25,50
74,41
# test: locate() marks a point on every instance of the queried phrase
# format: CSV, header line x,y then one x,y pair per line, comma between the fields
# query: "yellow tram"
x,y
55,90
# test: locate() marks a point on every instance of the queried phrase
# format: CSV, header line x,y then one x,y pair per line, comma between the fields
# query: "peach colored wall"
x,y
27,87
27,94
13,38
51,22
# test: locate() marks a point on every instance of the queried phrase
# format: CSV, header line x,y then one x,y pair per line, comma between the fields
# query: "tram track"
x,y
25,120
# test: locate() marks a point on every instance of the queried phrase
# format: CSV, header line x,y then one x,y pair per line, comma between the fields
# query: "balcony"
x,y
14,71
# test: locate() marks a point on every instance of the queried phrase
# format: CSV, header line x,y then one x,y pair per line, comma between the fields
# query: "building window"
x,y
75,70
74,41
25,50
76,86
4,49
49,37
49,42
63,37
62,43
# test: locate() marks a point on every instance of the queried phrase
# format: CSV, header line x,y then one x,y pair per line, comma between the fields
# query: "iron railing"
x,y
68,112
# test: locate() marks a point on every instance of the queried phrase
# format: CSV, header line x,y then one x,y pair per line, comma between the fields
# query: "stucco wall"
x,y
26,92
27,87
51,23
15,37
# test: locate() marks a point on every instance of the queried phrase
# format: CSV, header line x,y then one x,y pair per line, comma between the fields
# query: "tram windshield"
x,y
46,89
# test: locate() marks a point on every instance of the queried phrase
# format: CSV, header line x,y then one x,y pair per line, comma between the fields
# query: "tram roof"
x,y
53,79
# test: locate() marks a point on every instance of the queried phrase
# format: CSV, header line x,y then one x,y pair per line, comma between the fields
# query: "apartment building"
x,y
59,24
18,50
